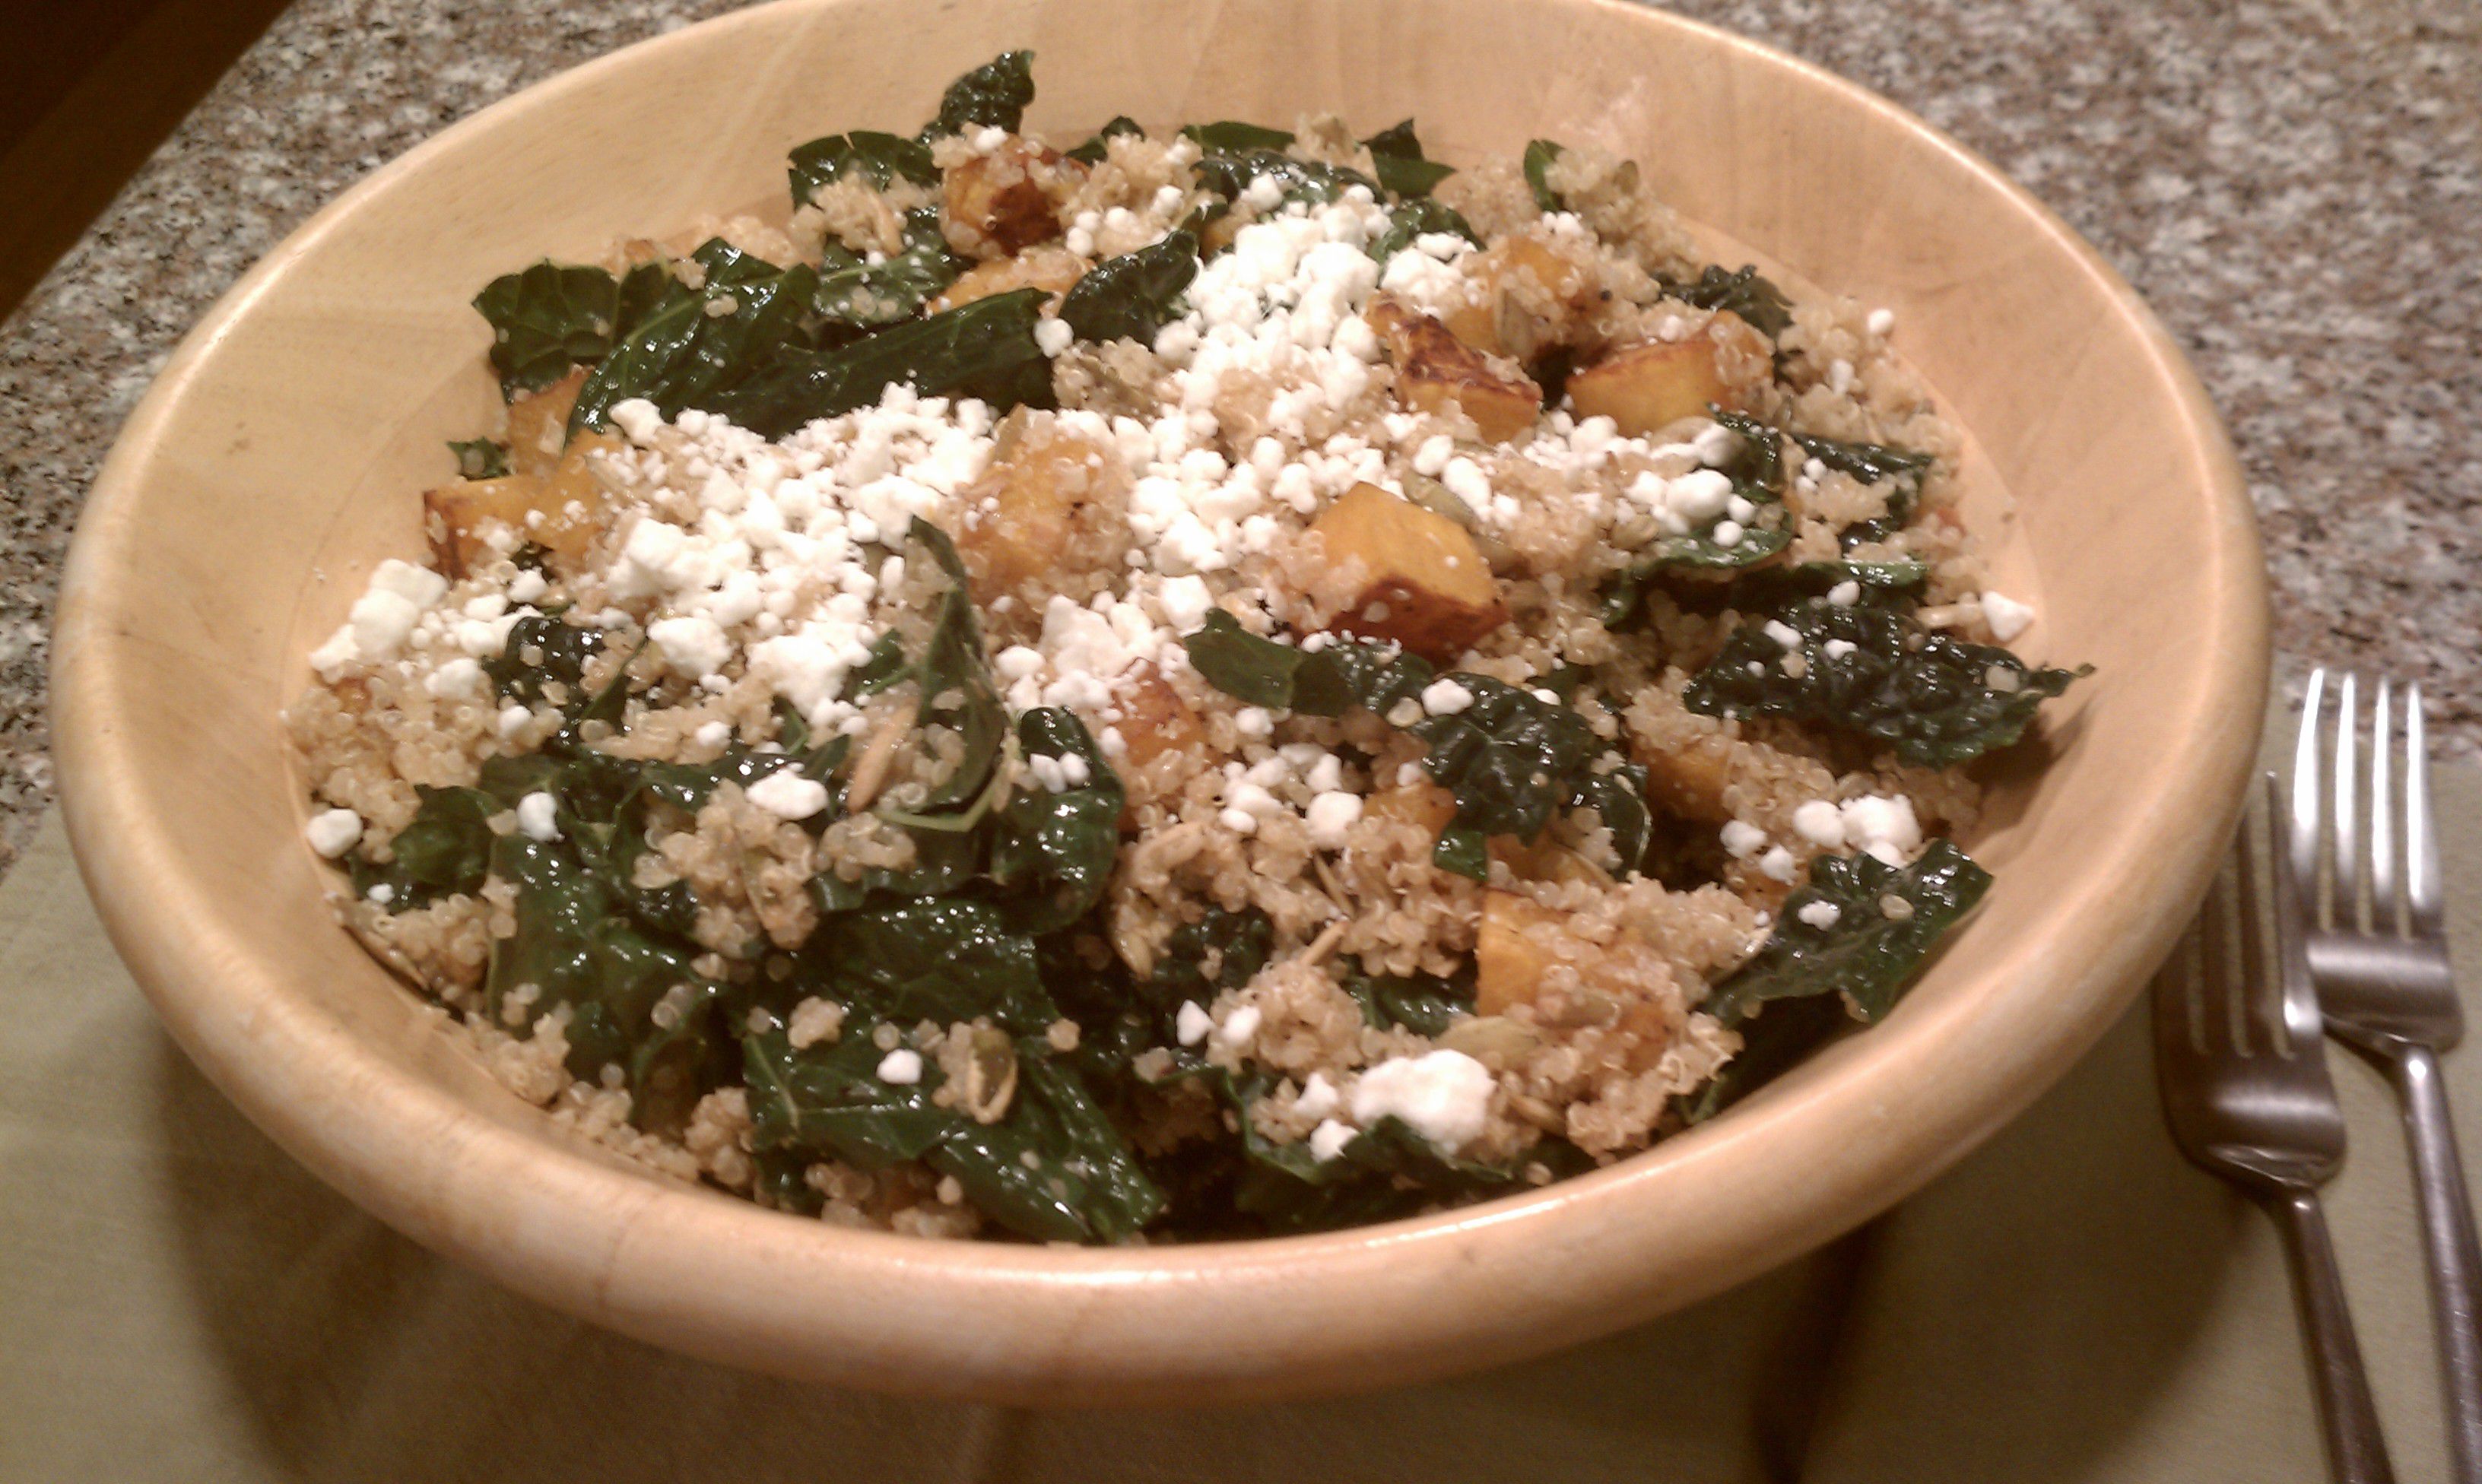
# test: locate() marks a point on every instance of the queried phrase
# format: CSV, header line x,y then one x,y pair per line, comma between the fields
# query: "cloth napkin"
x,y
179,1301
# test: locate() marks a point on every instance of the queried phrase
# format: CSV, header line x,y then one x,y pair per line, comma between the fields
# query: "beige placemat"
x,y
179,1301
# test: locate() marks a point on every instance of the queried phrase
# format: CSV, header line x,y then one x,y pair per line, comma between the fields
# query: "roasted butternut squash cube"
x,y
1689,780
1422,803
1436,372
1544,861
1036,511
1052,270
1654,384
559,513
1157,719
1516,947
1527,295
539,426
1423,583
1004,201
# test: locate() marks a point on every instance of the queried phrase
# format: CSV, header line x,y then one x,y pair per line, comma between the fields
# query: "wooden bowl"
x,y
277,460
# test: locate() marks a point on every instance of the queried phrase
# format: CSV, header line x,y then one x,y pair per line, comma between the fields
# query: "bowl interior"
x,y
277,460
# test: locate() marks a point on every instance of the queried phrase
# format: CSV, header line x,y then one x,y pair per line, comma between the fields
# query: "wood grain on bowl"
x,y
279,457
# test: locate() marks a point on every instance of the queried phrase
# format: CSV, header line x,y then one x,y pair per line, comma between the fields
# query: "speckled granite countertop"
x,y
2296,187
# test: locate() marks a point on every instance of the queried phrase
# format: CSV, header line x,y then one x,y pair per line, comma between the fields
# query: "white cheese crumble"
x,y
1442,1095
1328,1138
513,720
1881,321
332,832
788,795
1318,1098
1445,698
901,1067
1821,824
535,817
1882,827
1821,915
1239,1028
1191,1024
1054,336
1330,816
1777,863
712,733
381,619
1742,839
1844,594
2006,616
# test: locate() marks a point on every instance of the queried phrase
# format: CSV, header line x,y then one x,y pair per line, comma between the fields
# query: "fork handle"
x,y
2355,1453
2455,1263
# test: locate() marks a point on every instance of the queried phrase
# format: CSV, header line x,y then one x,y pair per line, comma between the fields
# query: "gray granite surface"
x,y
2296,186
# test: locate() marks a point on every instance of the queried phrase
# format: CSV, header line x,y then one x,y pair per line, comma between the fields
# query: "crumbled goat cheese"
x,y
1821,915
1239,1027
1742,839
1844,594
381,619
1328,1138
788,795
513,720
901,1067
1445,698
1191,1024
1319,1096
712,733
1777,863
332,832
1882,827
1330,816
1442,1095
535,817
1053,336
2006,616
1821,824
1881,321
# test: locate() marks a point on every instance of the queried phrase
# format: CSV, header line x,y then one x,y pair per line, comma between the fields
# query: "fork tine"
x,y
2290,986
2305,794
2383,843
2343,875
2227,1023
2420,841
2253,1008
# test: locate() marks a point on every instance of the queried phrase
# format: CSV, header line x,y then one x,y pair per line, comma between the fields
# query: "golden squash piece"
x,y
1421,802
539,426
1544,861
1651,386
558,512
1003,201
1435,371
1528,296
1155,720
1041,507
1427,587
1518,944
1052,270
1689,780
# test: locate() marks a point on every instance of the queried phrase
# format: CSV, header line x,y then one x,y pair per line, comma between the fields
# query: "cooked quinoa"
x,y
1207,683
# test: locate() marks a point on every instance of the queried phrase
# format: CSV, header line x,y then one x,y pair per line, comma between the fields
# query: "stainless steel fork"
x,y
2243,1071
2378,957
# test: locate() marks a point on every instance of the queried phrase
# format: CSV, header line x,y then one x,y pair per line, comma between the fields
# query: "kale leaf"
x,y
992,95
1231,175
854,295
1424,1003
444,849
1054,851
560,651
1231,136
1096,146
1419,217
1511,758
546,321
1756,473
480,459
878,158
1936,699
689,346
1135,295
985,349
1887,920
940,958
1219,951
1743,293
1870,463
1539,155
1397,156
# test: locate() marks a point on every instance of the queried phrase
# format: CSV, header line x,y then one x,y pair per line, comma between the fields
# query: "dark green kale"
x,y
985,349
546,321
684,347
480,459
1935,699
854,297
1423,1004
1811,981
1511,758
1135,295
542,649
1743,292
1096,148
1539,155
1420,215
992,95
1756,473
1219,951
1871,463
1397,156
1230,137
443,850
1055,849
1231,175
877,158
